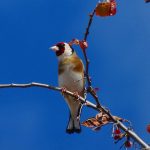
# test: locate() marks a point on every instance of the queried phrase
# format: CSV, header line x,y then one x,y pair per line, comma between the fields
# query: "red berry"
x,y
116,137
128,144
117,131
148,128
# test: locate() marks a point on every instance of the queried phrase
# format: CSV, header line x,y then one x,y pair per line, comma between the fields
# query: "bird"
x,y
70,77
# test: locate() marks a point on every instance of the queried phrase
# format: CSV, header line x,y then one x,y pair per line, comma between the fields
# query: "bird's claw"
x,y
76,95
63,90
78,118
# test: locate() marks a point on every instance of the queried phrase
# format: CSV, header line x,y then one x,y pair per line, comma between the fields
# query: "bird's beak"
x,y
54,48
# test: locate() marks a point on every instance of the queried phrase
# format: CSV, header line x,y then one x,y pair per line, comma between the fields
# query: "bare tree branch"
x,y
85,102
35,84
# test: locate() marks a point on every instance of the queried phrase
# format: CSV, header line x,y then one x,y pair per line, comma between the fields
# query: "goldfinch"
x,y
71,77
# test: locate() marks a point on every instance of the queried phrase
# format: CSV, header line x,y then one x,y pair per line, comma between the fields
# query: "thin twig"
x,y
86,103
87,61
89,25
84,51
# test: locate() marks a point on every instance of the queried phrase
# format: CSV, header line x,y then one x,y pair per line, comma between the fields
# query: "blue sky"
x,y
119,51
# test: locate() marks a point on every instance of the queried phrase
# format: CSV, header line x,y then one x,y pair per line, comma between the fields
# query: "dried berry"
x,y
106,8
128,144
116,137
148,128
117,131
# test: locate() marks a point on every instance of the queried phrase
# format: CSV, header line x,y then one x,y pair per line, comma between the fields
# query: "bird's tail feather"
x,y
73,125
74,119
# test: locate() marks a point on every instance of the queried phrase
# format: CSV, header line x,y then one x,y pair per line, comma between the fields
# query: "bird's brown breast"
x,y
77,65
71,74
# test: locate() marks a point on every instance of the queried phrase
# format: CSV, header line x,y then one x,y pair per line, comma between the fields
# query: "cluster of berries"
x,y
118,135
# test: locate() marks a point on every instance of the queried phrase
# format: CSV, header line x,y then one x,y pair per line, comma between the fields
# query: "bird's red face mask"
x,y
59,48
